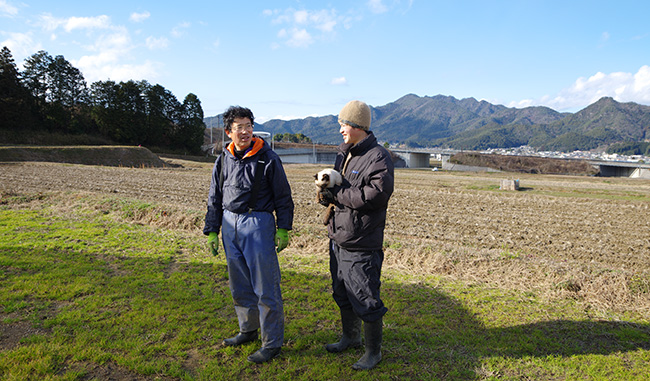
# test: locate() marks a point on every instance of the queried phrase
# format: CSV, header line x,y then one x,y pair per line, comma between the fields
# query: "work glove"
x,y
213,243
281,239
325,197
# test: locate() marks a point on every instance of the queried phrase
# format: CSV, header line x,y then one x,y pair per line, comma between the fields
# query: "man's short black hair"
x,y
235,112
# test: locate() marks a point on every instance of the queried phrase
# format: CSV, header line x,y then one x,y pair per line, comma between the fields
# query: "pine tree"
x,y
17,107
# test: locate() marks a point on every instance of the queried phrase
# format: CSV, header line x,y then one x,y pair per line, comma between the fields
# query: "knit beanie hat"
x,y
356,114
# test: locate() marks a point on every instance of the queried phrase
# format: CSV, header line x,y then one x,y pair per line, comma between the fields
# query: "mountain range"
x,y
444,121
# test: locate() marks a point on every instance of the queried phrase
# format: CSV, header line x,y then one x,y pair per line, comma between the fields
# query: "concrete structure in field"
x,y
512,185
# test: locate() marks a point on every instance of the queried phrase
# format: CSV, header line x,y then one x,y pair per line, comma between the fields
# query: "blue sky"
x,y
292,59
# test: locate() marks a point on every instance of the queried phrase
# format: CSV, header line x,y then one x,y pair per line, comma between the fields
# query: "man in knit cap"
x,y
356,232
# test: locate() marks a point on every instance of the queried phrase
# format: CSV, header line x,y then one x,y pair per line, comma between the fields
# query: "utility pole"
x,y
223,134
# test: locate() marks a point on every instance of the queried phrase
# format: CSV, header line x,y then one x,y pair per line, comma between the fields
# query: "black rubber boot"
x,y
241,338
372,357
263,355
351,332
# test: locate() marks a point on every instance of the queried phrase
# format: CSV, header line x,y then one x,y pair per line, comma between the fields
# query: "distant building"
x,y
262,134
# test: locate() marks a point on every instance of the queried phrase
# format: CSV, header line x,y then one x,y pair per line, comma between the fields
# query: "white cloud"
x,y
380,6
107,53
119,40
302,25
301,17
22,45
139,17
297,38
109,50
98,22
642,82
180,29
148,70
51,23
339,81
376,6
109,65
324,20
622,86
112,59
7,9
157,43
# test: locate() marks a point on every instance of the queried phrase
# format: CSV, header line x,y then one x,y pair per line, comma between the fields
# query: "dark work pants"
x,y
355,281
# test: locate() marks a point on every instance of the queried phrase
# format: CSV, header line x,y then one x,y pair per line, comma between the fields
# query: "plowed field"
x,y
560,236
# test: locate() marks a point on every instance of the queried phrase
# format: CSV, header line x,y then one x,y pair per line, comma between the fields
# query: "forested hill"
x,y
470,124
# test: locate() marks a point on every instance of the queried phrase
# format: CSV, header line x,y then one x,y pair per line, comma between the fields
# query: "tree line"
x,y
292,138
51,95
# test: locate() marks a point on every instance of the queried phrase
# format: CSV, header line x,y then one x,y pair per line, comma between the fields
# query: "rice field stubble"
x,y
589,237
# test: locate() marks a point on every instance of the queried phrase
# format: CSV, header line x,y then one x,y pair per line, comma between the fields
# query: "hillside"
x,y
445,121
604,122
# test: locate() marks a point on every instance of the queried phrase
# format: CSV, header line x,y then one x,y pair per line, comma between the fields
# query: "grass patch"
x,y
598,194
89,291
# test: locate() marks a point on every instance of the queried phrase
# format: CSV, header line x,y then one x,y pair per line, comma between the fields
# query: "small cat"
x,y
327,178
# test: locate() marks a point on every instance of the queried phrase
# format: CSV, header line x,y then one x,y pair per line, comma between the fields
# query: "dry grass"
x,y
526,164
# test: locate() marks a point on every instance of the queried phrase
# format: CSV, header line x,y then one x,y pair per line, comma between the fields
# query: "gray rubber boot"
x,y
372,357
241,338
351,332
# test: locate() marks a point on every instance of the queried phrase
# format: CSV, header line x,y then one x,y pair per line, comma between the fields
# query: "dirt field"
x,y
560,236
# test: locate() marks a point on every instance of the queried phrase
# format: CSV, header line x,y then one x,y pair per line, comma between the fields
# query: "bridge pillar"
x,y
415,159
612,170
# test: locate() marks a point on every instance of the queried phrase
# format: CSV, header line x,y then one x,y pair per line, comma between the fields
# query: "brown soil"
x,y
579,237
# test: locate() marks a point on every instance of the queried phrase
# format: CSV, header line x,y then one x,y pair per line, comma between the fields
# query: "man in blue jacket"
x,y
356,232
249,185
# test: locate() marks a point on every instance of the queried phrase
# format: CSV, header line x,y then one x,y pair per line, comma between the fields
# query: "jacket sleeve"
x,y
282,199
376,189
215,206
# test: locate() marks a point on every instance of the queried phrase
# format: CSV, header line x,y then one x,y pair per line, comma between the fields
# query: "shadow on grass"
x,y
430,333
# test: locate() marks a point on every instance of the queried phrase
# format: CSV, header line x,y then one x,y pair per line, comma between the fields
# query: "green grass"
x,y
599,194
86,294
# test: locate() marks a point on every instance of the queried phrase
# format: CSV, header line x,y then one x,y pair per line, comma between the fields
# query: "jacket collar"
x,y
253,150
